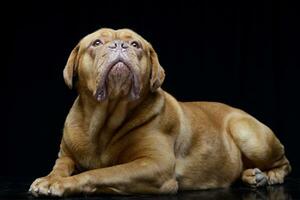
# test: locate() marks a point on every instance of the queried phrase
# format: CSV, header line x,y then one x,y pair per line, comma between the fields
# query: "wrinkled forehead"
x,y
107,35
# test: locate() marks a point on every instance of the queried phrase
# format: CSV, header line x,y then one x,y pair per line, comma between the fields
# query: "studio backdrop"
x,y
245,55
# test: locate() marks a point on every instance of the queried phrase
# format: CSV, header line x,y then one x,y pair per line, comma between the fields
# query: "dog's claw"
x,y
49,191
257,171
259,177
36,190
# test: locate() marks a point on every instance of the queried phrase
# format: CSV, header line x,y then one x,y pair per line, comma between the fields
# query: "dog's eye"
x,y
97,43
135,44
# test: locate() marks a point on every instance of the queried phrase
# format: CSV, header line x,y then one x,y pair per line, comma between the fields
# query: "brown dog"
x,y
125,135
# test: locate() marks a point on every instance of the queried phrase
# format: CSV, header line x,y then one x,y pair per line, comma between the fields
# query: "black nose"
x,y
118,44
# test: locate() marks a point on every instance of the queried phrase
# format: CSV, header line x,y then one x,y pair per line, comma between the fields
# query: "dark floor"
x,y
16,188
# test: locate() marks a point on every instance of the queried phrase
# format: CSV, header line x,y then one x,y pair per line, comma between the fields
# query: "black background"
x,y
243,54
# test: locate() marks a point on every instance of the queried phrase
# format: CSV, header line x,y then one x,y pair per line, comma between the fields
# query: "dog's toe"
x,y
260,178
255,177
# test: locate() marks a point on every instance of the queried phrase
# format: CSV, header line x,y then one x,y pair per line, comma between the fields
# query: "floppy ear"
x,y
157,72
71,67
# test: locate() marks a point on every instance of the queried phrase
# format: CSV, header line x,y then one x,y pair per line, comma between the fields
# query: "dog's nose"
x,y
118,44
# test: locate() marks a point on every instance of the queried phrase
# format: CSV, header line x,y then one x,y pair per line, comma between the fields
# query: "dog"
x,y
126,135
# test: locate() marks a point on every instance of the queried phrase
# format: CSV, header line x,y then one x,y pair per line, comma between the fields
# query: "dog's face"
x,y
114,63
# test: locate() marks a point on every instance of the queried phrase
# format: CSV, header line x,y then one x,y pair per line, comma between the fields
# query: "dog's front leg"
x,y
139,176
63,169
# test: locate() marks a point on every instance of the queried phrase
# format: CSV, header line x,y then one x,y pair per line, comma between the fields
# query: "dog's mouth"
x,y
119,70
119,73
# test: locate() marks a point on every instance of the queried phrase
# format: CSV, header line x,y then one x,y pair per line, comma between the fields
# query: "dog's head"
x,y
114,63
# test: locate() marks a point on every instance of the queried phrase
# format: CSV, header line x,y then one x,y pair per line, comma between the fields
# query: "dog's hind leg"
x,y
263,155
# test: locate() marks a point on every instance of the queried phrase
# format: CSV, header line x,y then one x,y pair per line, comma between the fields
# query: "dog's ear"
x,y
157,72
71,67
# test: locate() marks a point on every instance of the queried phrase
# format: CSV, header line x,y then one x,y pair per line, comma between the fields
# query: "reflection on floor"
x,y
16,188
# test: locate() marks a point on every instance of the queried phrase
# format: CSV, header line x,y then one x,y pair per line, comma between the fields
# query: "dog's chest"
x,y
91,159
90,142
89,155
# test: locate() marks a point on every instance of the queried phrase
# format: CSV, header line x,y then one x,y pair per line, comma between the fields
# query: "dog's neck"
x,y
108,120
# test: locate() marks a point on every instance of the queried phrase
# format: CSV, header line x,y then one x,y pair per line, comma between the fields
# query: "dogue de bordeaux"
x,y
126,135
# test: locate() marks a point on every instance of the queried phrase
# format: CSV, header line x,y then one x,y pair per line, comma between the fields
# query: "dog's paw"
x,y
51,186
255,177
